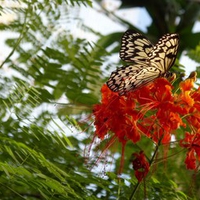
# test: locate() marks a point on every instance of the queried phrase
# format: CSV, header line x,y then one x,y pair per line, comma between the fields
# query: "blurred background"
x,y
55,56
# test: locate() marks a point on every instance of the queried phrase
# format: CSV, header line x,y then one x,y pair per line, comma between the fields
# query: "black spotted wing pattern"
x,y
164,52
134,47
152,64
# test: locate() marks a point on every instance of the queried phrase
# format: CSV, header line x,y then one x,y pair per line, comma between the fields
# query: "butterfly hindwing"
x,y
134,47
131,77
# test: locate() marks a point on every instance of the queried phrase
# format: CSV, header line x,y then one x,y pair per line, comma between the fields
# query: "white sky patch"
x,y
196,27
189,64
98,21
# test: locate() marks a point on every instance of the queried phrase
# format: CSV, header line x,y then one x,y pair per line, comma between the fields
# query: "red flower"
x,y
188,102
158,98
154,111
116,114
192,143
190,160
140,165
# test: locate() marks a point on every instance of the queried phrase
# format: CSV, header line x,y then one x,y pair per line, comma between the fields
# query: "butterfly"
x,y
148,61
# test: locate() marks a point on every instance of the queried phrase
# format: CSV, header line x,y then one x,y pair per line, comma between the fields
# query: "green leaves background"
x,y
49,82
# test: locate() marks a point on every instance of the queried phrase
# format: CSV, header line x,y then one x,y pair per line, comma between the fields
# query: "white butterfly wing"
x,y
164,53
134,47
150,64
131,77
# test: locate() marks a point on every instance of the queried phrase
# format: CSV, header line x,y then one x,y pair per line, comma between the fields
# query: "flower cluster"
x,y
155,111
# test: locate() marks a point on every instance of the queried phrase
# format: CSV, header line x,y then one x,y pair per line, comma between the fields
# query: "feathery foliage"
x,y
50,78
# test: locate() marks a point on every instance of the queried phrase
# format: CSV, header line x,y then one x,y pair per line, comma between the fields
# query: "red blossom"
x,y
188,84
154,111
159,98
140,165
116,114
192,143
190,160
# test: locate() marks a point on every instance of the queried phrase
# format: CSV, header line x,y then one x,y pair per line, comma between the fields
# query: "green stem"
x,y
135,189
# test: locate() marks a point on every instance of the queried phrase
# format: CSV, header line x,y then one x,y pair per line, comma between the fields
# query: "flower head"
x,y
140,165
116,114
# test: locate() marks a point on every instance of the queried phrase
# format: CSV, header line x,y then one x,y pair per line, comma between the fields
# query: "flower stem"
x,y
135,189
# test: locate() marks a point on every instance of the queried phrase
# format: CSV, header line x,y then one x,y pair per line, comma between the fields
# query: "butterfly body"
x,y
148,61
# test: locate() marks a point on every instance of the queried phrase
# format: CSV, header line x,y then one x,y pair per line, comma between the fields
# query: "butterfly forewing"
x,y
134,47
164,52
150,61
